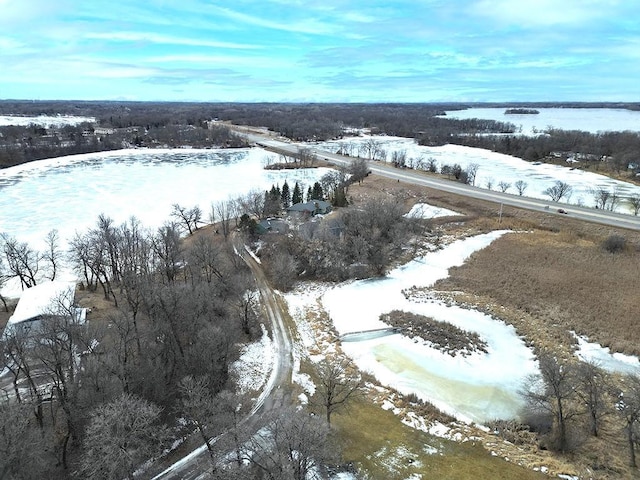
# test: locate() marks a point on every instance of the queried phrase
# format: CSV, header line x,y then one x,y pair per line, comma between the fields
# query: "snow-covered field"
x,y
44,120
497,167
586,119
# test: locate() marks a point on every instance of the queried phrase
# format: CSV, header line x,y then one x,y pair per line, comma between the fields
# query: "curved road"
x,y
274,395
602,217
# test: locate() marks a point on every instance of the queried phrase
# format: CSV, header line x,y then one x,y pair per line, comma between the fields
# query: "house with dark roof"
x,y
311,208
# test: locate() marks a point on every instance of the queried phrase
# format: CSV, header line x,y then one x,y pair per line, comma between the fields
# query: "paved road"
x,y
274,395
602,217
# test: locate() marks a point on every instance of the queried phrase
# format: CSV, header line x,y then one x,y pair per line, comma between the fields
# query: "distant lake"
x,y
44,120
585,119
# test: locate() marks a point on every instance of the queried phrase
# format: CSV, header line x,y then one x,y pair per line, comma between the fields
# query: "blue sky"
x,y
321,51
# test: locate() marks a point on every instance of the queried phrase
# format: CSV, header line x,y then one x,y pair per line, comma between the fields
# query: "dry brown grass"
x,y
562,280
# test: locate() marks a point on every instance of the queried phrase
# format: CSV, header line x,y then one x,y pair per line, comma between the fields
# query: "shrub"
x,y
614,243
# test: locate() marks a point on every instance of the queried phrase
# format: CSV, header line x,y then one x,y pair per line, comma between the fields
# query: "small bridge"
x,y
370,334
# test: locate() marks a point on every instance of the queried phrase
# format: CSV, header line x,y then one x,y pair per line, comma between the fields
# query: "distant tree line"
x,y
615,152
21,144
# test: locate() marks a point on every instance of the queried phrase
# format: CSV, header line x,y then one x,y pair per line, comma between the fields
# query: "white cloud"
x,y
535,13
166,39
309,25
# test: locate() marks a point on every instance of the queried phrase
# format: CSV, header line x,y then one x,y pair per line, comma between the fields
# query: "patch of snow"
x,y
305,382
426,211
253,255
344,476
252,369
602,356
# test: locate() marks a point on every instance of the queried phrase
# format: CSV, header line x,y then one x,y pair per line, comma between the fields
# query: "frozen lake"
x,y
586,119
44,120
68,193
496,167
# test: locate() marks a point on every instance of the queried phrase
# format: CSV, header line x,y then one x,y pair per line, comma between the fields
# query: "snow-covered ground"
x,y
497,167
44,120
602,356
68,193
586,119
426,211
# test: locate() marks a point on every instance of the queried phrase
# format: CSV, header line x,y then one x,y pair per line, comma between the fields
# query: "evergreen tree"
x,y
317,193
339,198
272,201
309,194
296,197
285,195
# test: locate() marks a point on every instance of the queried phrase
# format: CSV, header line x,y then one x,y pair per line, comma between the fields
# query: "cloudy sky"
x,y
325,50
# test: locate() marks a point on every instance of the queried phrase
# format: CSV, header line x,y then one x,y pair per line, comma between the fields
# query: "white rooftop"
x,y
44,298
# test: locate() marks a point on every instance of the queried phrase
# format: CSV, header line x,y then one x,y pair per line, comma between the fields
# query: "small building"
x,y
45,300
272,225
311,208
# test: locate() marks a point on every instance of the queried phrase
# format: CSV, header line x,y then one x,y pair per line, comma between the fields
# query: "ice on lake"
x,y
68,193
591,120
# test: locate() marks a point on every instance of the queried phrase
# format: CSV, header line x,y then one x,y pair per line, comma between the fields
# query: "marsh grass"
x,y
563,279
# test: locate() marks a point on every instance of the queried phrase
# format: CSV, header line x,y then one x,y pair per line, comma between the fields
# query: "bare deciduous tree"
x,y
22,261
634,201
601,197
291,446
558,191
372,148
307,157
339,383
167,247
3,280
504,186
592,387
188,217
121,434
489,183
628,408
358,169
555,396
52,255
472,172
225,212
21,443
521,186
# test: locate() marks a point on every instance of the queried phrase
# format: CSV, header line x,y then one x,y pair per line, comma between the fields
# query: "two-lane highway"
x,y
603,217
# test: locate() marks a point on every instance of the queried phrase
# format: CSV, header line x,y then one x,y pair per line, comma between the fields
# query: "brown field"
x,y
561,280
